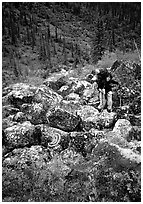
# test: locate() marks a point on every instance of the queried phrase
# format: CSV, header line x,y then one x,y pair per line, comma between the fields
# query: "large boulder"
x,y
63,120
123,128
34,112
20,135
47,97
106,119
53,137
69,106
21,93
91,118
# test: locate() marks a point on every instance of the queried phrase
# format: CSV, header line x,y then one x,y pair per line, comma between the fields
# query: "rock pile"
x,y
58,147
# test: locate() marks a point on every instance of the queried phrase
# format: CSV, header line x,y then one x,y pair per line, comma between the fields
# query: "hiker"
x,y
105,81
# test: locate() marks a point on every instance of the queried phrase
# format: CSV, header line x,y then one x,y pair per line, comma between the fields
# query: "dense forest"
x,y
57,144
59,31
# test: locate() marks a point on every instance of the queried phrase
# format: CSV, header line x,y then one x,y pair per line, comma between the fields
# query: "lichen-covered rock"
x,y
20,135
123,128
53,137
21,93
89,116
69,106
47,97
35,113
106,119
86,112
8,110
63,120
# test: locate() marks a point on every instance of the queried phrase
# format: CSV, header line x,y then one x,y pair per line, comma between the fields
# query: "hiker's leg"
x,y
103,99
109,101
100,99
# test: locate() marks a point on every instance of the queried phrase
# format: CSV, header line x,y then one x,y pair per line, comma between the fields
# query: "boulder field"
x,y
57,147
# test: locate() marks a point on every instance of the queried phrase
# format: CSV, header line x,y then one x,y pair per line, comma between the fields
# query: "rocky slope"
x,y
58,147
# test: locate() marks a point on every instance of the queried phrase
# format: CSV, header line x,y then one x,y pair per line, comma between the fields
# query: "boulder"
x,y
69,106
53,137
35,113
63,120
21,93
106,119
86,112
89,116
123,128
47,97
20,135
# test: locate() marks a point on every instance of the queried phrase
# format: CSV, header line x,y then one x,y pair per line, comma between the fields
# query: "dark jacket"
x,y
102,81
